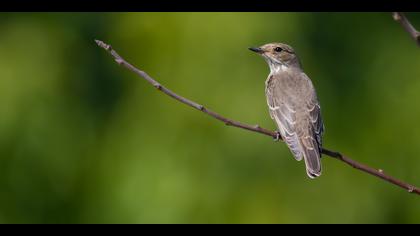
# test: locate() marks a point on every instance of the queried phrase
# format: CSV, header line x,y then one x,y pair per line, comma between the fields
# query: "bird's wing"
x,y
283,112
314,113
312,127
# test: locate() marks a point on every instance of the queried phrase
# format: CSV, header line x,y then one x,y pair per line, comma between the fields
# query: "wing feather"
x,y
284,116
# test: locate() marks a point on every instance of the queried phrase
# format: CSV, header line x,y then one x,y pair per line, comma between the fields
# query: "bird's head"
x,y
277,55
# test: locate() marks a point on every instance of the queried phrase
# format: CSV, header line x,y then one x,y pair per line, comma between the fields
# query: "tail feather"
x,y
311,155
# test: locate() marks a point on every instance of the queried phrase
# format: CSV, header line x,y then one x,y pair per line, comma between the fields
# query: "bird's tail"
x,y
311,155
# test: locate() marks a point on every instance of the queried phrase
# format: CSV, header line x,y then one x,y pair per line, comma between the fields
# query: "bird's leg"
x,y
278,136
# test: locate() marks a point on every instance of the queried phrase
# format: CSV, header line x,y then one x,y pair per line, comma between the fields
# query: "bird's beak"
x,y
257,50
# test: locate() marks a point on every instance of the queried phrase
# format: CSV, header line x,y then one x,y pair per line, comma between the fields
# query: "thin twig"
x,y
255,128
405,23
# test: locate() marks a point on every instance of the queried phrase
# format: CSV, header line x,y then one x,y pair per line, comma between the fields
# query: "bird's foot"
x,y
278,136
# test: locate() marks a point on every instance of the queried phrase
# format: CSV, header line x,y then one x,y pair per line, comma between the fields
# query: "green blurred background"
x,y
83,140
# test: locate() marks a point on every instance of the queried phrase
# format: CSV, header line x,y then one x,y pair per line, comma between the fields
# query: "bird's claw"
x,y
277,138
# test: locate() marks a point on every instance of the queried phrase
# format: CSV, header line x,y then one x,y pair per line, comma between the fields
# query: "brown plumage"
x,y
293,105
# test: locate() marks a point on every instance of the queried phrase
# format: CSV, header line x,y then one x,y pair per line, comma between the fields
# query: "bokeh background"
x,y
83,140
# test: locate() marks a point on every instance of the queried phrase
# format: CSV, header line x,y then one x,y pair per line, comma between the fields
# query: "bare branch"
x,y
255,128
405,23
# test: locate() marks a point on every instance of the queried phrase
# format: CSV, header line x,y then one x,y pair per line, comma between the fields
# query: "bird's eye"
x,y
278,49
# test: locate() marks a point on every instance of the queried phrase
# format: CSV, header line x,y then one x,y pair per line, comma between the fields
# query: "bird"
x,y
293,105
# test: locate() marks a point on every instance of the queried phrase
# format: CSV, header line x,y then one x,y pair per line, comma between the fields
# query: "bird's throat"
x,y
277,68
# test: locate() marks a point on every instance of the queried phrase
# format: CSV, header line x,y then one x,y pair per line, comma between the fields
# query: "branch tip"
x,y
103,45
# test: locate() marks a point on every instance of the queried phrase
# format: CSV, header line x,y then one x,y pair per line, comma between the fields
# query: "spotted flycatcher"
x,y
293,105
